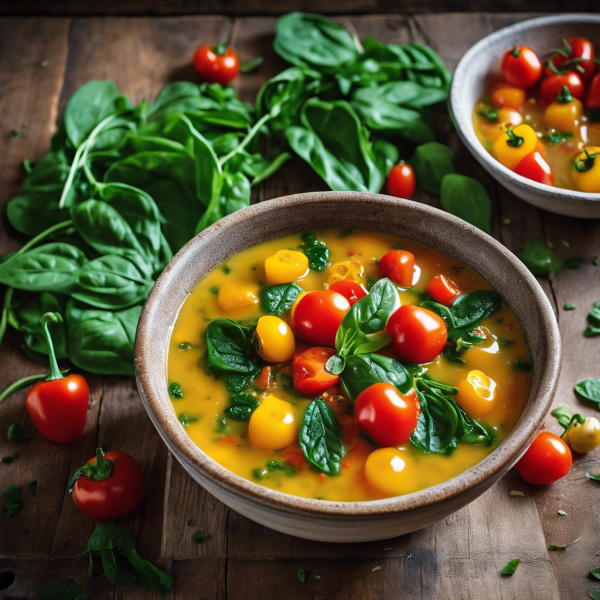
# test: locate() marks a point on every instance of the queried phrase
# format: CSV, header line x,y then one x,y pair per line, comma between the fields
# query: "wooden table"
x,y
460,557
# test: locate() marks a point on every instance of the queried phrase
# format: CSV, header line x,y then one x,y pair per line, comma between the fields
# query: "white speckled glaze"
x,y
350,521
481,64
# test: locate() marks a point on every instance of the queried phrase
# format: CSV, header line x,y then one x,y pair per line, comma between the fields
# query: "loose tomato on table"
x,y
534,167
552,86
398,266
387,416
547,460
418,334
521,67
570,58
216,65
401,181
443,290
318,315
108,486
351,290
310,375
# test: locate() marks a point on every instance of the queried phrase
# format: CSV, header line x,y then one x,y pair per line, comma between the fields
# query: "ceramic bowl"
x,y
339,521
482,64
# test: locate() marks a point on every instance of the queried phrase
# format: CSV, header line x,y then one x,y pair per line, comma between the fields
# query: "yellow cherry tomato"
x,y
346,270
274,340
236,296
508,97
586,170
492,130
512,147
391,471
583,437
564,117
273,424
477,394
285,266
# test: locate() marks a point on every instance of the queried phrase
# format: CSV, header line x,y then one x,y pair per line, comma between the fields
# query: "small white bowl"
x,y
469,85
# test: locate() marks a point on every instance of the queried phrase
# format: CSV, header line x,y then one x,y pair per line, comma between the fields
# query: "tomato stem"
x,y
587,163
50,317
564,96
221,47
97,470
516,52
576,418
514,140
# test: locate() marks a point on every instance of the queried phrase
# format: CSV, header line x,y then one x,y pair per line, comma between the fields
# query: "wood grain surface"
x,y
460,557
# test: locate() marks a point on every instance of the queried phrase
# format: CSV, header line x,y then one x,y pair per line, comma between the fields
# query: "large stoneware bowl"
x,y
480,65
339,521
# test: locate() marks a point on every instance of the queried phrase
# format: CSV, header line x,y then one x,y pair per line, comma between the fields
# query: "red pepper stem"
x,y
23,383
54,372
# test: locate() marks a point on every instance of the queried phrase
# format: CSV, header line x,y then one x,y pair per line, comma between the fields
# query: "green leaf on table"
x,y
552,547
199,536
431,162
466,198
563,415
34,212
595,572
589,389
241,407
594,594
280,298
320,438
541,260
511,566
594,477
60,591
15,433
302,575
12,500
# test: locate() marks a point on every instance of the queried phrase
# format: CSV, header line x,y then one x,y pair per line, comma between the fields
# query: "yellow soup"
x,y
491,376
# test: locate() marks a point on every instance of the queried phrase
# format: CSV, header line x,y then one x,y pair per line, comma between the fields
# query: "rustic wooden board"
x,y
457,558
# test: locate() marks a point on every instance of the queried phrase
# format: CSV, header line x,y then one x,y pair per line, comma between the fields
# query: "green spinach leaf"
x,y
542,261
230,348
280,298
589,389
431,163
466,198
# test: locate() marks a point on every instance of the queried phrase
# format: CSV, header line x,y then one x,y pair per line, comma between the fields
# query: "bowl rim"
x,y
464,122
492,466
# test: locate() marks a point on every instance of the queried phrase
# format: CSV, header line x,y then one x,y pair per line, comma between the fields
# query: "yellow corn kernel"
x,y
274,340
346,270
236,296
285,266
273,424
564,117
391,471
477,394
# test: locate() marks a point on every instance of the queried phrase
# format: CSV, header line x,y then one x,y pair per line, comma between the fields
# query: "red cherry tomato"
x,y
58,406
310,375
401,181
534,167
418,334
443,289
580,48
552,86
399,266
521,67
592,100
386,415
105,491
351,290
547,460
216,65
318,316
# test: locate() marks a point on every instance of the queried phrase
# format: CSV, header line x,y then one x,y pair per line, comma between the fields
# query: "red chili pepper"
x,y
108,486
58,404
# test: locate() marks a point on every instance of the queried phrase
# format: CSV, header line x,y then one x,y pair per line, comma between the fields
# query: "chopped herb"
x,y
185,346
15,432
199,536
274,465
241,407
569,306
562,513
214,290
175,391
291,472
7,460
16,133
302,575
490,114
595,262
594,477
28,165
251,65
595,572
259,473
12,500
506,221
43,63
562,547
557,137
511,566
186,420
316,252
191,522
522,365
226,270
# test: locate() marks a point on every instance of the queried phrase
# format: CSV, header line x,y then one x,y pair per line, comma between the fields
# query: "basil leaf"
x,y
316,252
589,389
511,567
336,364
595,572
230,347
280,298
431,162
466,198
364,370
473,307
60,591
541,260
436,425
366,316
48,267
241,407
320,438
373,342
34,212
303,39
442,311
